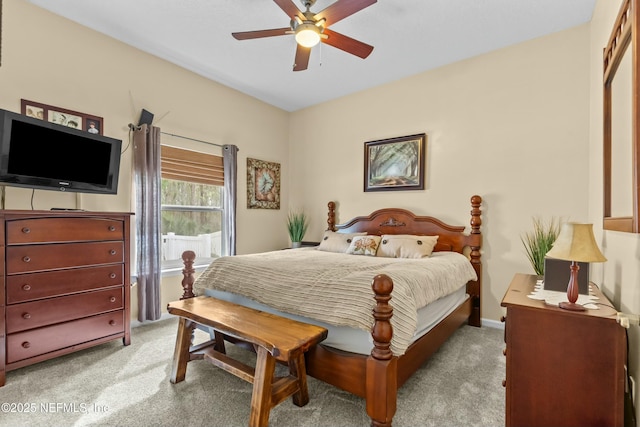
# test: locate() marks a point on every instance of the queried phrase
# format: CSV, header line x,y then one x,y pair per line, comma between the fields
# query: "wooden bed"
x,y
378,376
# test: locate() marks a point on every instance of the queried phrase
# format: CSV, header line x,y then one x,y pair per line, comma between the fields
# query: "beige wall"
x,y
54,61
520,126
511,125
620,275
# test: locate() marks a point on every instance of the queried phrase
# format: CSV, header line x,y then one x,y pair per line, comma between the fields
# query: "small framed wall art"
x,y
395,164
62,116
263,184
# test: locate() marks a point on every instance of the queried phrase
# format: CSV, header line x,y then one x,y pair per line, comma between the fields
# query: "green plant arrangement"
x,y
297,224
539,241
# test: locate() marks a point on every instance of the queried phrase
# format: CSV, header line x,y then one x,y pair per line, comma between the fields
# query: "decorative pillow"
x,y
337,242
406,246
364,245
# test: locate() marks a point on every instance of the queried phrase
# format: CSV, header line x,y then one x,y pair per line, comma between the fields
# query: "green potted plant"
x,y
297,224
539,241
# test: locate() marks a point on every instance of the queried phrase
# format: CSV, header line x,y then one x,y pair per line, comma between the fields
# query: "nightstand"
x,y
563,368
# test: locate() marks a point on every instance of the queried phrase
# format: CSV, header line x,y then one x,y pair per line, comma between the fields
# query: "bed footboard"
x,y
188,278
376,377
381,383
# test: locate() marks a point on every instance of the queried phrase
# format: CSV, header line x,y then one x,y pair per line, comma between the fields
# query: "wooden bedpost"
x,y
331,216
476,242
382,370
188,257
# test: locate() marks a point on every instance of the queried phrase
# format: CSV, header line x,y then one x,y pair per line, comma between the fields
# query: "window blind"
x,y
192,166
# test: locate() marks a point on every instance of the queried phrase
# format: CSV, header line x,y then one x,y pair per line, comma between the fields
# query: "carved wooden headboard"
x,y
451,238
401,221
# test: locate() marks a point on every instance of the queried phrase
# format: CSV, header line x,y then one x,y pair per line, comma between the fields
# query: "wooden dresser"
x,y
65,283
563,368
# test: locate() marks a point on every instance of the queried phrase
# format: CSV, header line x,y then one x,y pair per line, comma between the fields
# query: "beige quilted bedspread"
x,y
336,288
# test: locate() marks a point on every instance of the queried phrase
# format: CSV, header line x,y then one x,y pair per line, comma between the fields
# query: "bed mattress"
x,y
352,339
335,288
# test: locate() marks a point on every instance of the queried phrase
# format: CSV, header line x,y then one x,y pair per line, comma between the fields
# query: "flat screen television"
x,y
38,154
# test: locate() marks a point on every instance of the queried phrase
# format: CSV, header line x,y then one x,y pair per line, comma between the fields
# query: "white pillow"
x,y
364,245
406,246
337,242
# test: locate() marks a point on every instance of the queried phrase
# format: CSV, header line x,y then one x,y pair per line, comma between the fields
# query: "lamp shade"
x,y
307,35
576,242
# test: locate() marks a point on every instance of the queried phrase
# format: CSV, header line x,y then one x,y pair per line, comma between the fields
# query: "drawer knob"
x,y
26,230
26,287
26,316
112,228
112,322
112,299
27,259
112,252
112,275
504,383
26,344
503,319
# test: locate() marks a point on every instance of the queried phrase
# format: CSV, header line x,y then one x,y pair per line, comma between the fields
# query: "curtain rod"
x,y
191,139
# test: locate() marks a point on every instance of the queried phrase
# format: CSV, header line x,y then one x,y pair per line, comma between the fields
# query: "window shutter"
x,y
192,166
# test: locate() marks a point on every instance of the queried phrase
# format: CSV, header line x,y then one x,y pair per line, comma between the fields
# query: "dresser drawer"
x,y
23,259
52,230
29,315
33,286
23,345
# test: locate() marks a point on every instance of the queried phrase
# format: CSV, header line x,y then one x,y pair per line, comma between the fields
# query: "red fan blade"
x,y
261,33
302,58
347,44
341,9
289,8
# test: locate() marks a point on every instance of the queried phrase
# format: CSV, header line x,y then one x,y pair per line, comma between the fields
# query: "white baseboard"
x,y
492,323
163,316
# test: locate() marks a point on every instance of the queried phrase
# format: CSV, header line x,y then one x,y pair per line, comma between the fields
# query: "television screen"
x,y
39,154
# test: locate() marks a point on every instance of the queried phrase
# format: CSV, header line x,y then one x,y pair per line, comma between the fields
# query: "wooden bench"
x,y
274,338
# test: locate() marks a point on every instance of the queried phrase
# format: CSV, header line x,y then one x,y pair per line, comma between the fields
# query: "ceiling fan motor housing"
x,y
308,3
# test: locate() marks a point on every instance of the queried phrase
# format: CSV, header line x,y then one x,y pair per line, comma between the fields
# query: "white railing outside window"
x,y
204,245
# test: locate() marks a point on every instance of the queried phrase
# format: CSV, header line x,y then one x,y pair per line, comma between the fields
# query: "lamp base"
x,y
571,306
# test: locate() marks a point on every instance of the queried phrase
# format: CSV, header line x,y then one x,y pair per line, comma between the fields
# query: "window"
x,y
191,206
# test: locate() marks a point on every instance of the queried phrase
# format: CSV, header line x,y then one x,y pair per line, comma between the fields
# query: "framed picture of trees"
x,y
395,164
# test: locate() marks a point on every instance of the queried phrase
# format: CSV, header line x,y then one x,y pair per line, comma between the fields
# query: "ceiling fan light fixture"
x,y
307,35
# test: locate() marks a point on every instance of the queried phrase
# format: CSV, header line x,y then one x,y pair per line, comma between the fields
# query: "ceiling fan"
x,y
311,28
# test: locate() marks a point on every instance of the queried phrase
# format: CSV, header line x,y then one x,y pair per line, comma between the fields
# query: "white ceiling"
x,y
409,37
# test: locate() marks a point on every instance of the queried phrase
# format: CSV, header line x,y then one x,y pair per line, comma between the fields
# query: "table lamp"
x,y
575,243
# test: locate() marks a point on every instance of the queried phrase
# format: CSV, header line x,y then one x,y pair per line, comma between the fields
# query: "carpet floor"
x,y
113,385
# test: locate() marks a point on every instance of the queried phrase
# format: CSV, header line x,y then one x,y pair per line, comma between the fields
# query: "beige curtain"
x,y
147,173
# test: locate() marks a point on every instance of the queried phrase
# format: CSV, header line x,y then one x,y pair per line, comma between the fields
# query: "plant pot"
x,y
295,245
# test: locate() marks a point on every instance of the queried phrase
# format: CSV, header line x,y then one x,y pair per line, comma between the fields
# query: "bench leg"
x,y
261,397
219,339
297,369
181,351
